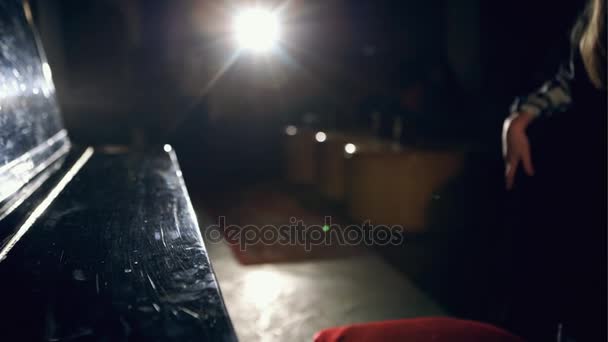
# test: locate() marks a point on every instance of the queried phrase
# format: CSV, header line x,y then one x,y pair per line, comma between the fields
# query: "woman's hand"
x,y
515,146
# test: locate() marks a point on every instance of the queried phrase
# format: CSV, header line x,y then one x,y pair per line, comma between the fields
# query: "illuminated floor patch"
x,y
292,301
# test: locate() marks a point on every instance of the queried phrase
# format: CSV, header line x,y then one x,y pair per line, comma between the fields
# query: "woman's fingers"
x,y
512,164
516,147
521,155
527,160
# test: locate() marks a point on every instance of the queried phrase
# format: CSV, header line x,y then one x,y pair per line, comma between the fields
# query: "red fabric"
x,y
417,329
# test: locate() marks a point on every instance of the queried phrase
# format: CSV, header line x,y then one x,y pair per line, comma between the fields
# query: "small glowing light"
x,y
167,148
291,130
321,136
256,29
350,148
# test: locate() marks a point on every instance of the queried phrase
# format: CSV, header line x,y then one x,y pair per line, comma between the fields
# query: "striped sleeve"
x,y
553,97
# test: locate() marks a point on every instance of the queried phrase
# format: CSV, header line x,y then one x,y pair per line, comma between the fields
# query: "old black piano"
x,y
98,243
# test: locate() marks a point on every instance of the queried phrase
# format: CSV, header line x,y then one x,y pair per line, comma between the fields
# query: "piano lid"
x,y
32,135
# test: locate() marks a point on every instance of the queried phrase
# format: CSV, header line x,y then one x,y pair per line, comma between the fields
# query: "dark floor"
x,y
284,293
292,301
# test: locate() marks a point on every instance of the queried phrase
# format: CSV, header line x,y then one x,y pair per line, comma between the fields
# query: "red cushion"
x,y
436,329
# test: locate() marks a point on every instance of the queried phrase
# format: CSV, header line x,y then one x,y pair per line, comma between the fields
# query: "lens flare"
x,y
256,29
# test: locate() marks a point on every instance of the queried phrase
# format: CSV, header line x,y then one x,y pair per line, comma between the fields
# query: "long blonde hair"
x,y
592,45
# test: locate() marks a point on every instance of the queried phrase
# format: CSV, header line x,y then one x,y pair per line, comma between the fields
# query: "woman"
x,y
558,135
589,45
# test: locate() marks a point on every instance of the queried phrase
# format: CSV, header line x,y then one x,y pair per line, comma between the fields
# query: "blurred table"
x,y
377,180
299,155
395,186
332,159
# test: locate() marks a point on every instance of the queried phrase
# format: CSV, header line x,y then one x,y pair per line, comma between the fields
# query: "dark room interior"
x,y
303,170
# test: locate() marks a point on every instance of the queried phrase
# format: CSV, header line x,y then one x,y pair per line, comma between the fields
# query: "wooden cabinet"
x,y
389,186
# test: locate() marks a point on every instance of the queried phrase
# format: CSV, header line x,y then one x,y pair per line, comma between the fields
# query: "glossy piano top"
x,y
116,256
31,131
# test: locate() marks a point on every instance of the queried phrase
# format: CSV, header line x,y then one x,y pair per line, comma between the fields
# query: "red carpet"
x,y
262,206
436,329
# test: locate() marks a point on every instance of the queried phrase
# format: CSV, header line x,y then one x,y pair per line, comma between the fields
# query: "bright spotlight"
x,y
321,136
256,29
350,148
291,130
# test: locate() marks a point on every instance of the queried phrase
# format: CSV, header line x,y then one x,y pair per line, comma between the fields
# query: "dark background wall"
x,y
143,70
